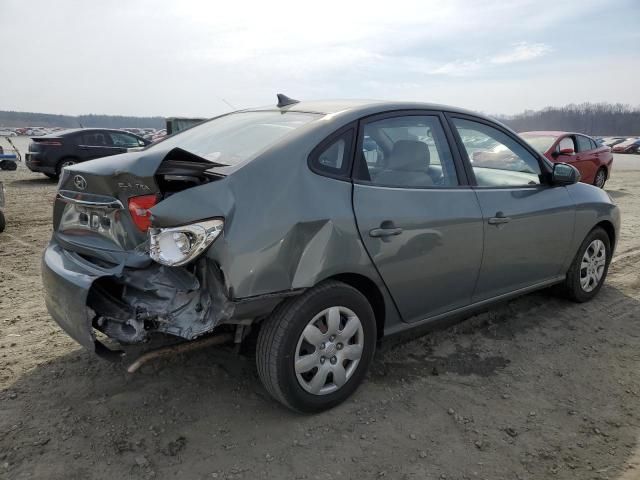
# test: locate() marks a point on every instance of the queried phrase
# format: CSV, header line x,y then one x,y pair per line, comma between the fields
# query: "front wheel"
x,y
601,178
314,350
589,268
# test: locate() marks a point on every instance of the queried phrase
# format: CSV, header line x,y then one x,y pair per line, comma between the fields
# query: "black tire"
x,y
572,287
601,172
7,165
52,176
3,222
63,163
278,341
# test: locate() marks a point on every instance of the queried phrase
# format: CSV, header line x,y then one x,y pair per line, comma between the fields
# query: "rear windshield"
x,y
233,138
541,143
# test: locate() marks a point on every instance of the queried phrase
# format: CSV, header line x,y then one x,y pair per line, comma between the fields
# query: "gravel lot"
x,y
536,388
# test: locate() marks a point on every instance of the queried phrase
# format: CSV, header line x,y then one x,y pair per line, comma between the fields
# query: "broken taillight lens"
x,y
139,209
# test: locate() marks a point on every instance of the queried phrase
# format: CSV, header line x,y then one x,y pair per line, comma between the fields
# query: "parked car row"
x,y
622,144
150,134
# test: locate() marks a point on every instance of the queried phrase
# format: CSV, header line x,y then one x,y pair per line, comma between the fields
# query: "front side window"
x,y
125,141
497,159
541,143
409,151
235,137
566,143
95,139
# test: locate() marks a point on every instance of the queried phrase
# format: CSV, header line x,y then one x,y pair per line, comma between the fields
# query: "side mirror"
x,y
565,151
564,174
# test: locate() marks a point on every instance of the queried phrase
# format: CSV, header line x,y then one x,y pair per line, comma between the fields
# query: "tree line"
x,y
30,119
605,119
589,118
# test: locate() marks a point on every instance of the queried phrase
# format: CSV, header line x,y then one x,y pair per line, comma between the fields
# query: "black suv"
x,y
50,153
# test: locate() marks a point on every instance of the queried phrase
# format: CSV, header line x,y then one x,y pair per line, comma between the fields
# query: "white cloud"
x,y
521,52
180,57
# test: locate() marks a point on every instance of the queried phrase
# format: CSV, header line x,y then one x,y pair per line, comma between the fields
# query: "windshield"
x,y
232,138
541,143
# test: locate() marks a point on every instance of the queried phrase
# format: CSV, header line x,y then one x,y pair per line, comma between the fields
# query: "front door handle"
x,y
387,229
499,219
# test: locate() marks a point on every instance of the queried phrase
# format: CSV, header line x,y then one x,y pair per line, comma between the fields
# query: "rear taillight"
x,y
50,143
139,209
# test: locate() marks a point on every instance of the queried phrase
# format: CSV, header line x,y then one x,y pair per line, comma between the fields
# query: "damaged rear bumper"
x,y
130,304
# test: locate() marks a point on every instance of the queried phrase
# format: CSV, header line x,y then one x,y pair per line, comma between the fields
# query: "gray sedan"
x,y
314,230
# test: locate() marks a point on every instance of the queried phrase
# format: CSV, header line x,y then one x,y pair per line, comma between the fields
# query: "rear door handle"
x,y
384,232
499,219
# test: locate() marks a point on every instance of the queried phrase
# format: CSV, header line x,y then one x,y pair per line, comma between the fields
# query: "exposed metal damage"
x,y
184,302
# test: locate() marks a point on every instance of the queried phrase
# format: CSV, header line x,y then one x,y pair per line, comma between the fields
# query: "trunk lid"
x,y
92,209
38,144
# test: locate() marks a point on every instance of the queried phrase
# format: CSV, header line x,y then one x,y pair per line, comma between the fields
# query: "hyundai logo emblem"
x,y
79,182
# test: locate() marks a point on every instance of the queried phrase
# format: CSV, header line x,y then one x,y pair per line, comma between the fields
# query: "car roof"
x,y
71,131
362,108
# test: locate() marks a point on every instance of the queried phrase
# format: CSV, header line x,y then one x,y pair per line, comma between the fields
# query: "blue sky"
x,y
161,57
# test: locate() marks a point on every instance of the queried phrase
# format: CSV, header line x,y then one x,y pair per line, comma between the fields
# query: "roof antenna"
x,y
284,101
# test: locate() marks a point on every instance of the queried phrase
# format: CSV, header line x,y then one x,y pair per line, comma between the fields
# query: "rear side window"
x,y
332,156
406,151
584,144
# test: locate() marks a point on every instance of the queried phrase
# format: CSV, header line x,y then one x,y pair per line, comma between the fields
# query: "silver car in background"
x,y
316,229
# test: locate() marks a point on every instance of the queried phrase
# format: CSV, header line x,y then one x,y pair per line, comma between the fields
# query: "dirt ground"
x,y
537,388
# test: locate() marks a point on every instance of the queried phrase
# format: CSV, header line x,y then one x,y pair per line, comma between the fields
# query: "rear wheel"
x,y
601,178
315,349
65,162
7,165
589,268
3,222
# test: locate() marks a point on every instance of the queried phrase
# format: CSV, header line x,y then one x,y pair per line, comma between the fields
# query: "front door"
x,y
420,224
528,225
97,144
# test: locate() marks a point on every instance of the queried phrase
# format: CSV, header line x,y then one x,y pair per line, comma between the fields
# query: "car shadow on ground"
x,y
32,182
205,413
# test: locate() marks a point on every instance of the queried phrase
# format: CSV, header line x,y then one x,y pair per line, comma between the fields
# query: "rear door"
x,y
586,159
528,224
417,216
125,140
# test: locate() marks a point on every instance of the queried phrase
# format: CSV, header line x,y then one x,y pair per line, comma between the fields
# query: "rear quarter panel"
x,y
286,228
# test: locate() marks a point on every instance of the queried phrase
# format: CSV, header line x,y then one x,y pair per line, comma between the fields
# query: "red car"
x,y
592,160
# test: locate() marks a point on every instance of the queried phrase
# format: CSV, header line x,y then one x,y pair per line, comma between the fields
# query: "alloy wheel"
x,y
601,177
329,350
592,266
